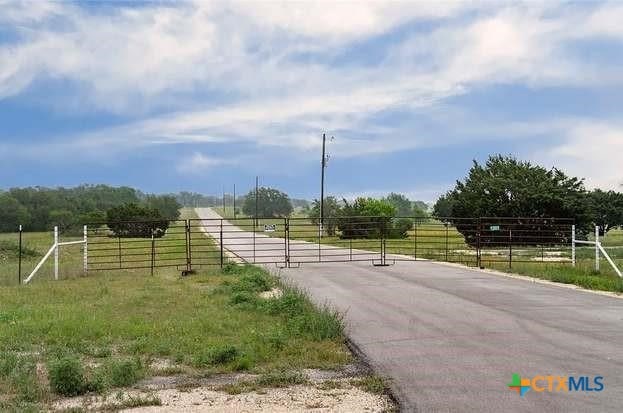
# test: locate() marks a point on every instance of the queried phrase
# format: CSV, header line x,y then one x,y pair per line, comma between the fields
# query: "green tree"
x,y
12,214
444,206
507,187
606,209
63,218
271,203
167,205
401,204
331,211
366,218
135,221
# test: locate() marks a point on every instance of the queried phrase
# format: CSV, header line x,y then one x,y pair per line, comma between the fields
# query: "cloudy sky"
x,y
169,96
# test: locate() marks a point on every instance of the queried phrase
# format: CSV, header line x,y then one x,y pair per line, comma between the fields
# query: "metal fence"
x,y
196,243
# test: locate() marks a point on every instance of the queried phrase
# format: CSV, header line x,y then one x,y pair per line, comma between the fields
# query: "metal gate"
x,y
290,242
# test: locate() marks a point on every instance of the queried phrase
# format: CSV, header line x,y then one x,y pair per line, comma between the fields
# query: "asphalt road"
x,y
450,338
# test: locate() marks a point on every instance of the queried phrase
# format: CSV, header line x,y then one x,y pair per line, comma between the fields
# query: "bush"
x,y
401,228
304,319
67,376
242,297
253,282
10,249
217,356
122,373
291,304
319,325
135,221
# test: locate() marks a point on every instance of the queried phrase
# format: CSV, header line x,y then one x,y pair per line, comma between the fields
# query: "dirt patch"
x,y
274,293
300,398
326,391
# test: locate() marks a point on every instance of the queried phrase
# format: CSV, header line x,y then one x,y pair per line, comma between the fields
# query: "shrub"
x,y
242,297
281,379
217,356
253,282
135,221
401,227
67,376
321,325
122,373
224,354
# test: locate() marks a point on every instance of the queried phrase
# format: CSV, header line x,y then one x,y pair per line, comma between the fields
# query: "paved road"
x,y
262,249
451,337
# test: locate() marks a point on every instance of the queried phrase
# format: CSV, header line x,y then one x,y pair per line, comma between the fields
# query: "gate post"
x,y
19,265
153,252
415,239
510,248
447,240
286,241
188,253
597,248
85,258
221,239
383,239
573,245
478,244
56,253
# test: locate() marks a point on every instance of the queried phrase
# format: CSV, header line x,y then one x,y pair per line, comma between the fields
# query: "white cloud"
x,y
199,163
189,57
591,150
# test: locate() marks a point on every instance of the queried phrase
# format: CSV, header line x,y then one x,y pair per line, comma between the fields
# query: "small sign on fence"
x,y
494,228
270,228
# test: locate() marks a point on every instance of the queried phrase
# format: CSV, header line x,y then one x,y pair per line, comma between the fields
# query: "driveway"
x,y
450,337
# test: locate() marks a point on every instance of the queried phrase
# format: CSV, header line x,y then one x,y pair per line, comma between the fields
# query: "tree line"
x,y
40,208
507,187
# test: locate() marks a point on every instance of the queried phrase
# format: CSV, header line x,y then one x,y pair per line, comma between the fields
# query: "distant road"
x,y
451,337
259,248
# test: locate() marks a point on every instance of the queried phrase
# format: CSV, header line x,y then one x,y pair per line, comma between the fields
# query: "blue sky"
x,y
170,96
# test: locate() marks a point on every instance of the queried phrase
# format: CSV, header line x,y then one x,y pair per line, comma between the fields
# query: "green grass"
x,y
100,332
583,275
371,384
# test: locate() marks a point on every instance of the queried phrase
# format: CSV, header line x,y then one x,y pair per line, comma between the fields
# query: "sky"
x,y
201,95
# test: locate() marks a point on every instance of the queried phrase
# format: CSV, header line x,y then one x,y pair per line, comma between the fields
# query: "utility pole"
x,y
234,201
257,180
224,213
323,165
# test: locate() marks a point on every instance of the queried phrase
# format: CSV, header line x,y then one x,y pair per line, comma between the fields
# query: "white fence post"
x,y
56,253
597,248
573,245
86,250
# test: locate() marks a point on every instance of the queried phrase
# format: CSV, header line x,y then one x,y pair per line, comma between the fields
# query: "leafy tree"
x,y
606,209
444,206
63,218
366,218
421,205
12,214
330,213
271,203
133,220
507,187
401,204
167,205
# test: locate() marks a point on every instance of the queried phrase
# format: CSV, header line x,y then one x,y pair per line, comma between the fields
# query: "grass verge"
x,y
95,334
582,275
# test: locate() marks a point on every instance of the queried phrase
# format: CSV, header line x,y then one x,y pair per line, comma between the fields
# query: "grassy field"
x,y
97,333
